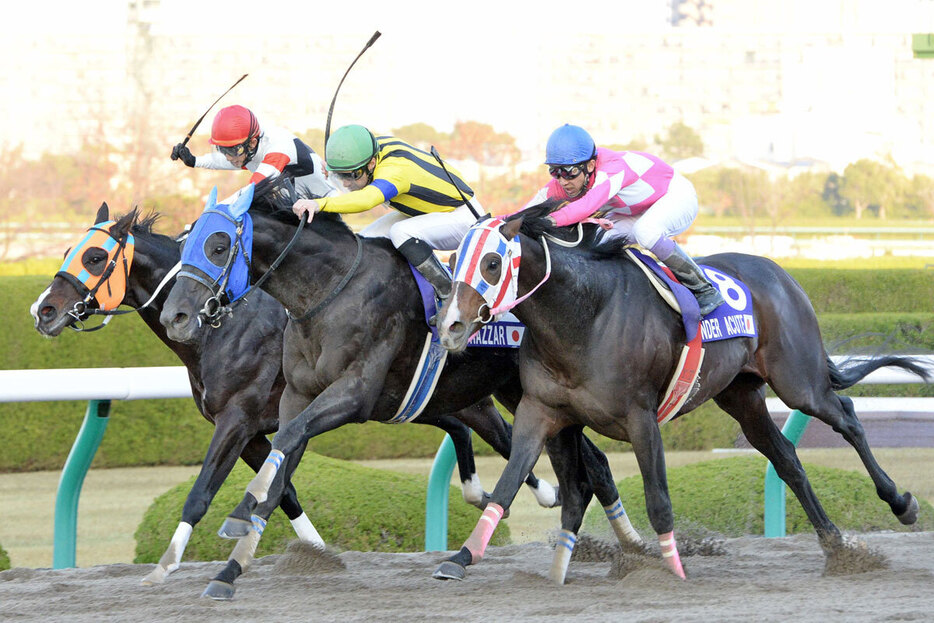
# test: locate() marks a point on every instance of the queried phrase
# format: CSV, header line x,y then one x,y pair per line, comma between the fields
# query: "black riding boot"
x,y
422,257
691,276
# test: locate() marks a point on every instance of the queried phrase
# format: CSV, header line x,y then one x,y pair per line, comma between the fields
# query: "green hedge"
x,y
727,496
39,435
4,559
352,507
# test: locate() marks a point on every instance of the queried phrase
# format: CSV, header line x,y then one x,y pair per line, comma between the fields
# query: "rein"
x,y
110,313
496,311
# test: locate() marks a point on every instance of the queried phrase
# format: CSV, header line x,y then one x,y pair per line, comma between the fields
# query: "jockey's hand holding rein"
x,y
302,206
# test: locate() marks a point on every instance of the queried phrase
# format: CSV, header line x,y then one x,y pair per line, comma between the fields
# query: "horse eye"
x,y
491,268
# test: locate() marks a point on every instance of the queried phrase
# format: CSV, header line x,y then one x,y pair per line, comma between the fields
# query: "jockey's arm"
x,y
214,160
605,186
361,200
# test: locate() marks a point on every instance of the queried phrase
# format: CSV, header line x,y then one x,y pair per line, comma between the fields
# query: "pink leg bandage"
x,y
670,553
477,541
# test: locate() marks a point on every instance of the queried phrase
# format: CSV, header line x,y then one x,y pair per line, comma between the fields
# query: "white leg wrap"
x,y
545,494
472,490
306,532
245,548
620,523
259,486
563,550
172,557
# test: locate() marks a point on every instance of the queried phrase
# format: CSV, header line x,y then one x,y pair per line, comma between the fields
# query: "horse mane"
x,y
594,239
269,199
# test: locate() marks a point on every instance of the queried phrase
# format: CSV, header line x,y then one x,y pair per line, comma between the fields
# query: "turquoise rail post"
x,y
69,485
436,502
774,516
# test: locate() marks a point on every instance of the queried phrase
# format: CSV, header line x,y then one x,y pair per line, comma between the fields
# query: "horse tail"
x,y
854,370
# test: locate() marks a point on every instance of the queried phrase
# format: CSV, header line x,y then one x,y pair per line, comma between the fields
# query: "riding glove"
x,y
181,152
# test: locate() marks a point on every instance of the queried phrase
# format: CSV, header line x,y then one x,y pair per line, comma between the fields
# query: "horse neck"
x,y
320,258
558,314
152,259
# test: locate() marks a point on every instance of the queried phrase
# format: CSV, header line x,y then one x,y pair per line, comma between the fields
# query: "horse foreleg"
x,y
228,441
565,454
647,444
238,523
528,440
253,455
222,588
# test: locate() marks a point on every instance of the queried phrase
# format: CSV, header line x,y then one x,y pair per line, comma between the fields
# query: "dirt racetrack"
x,y
752,579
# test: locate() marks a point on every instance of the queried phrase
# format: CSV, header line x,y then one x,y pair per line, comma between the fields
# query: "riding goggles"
x,y
568,172
118,252
351,175
234,151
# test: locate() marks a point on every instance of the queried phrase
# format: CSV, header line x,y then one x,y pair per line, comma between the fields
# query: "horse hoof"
x,y
219,591
449,571
156,576
234,528
910,515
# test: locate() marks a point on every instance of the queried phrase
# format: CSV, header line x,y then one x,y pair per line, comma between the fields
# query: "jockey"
x,y
241,143
646,200
430,213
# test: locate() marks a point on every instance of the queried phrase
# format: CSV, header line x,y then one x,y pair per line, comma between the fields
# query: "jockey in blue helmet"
x,y
644,198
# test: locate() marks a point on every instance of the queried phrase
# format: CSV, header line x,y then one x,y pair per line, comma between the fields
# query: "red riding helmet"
x,y
233,128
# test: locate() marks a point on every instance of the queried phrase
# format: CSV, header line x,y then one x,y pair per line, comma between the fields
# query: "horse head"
x,y
93,276
486,275
215,268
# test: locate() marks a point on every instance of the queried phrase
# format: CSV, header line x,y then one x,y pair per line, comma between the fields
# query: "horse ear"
x,y
103,213
511,229
242,202
212,199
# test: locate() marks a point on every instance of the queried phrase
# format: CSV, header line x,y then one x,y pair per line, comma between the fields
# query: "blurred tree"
x,y
870,183
832,197
636,144
509,193
421,135
920,197
482,144
803,196
680,142
314,138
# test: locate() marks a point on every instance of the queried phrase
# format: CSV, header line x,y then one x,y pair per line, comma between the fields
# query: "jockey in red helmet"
x,y
241,142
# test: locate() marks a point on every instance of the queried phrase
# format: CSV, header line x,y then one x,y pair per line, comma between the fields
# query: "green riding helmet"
x,y
349,148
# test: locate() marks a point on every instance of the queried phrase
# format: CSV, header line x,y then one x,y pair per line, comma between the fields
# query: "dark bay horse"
x,y
240,401
601,347
354,361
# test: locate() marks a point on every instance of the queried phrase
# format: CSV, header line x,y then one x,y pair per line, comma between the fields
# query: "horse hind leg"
x,y
604,487
838,412
744,400
221,587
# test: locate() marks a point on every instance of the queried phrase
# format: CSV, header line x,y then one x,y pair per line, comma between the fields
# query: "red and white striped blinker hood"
x,y
482,239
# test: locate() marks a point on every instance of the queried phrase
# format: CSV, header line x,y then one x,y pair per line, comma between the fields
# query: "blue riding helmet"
x,y
234,277
569,144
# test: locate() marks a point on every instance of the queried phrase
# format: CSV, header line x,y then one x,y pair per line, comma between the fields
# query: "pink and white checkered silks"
x,y
483,238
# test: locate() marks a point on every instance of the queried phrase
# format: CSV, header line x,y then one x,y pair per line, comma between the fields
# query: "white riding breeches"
x,y
442,231
672,214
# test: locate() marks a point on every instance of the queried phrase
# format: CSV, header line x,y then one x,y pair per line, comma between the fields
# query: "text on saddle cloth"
x,y
504,332
733,318
507,332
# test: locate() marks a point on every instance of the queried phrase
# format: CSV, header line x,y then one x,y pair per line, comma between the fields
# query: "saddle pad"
x,y
732,319
423,383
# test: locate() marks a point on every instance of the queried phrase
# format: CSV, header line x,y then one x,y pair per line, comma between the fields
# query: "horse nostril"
x,y
180,319
456,328
47,311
